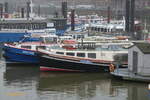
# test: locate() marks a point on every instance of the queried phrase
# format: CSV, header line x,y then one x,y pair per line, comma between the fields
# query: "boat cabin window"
x,y
41,47
104,47
91,55
70,54
81,54
60,53
115,47
27,47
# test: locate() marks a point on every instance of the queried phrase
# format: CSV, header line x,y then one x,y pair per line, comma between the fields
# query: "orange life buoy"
x,y
111,67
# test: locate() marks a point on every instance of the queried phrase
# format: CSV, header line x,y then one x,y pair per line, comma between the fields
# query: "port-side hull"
x,y
51,63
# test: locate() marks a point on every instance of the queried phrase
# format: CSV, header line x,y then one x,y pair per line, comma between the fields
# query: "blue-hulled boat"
x,y
25,52
22,53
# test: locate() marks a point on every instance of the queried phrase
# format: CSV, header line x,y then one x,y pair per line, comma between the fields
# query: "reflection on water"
x,y
21,74
27,83
89,86
20,82
134,90
74,85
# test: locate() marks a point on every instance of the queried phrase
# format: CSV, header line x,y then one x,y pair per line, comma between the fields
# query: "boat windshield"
x,y
56,47
116,47
110,48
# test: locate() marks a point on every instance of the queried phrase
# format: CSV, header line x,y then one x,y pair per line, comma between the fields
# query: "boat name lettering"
x,y
27,52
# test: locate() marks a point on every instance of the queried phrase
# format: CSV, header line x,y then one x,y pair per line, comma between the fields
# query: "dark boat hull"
x,y
51,63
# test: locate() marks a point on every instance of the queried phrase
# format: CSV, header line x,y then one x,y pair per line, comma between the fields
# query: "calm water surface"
x,y
27,83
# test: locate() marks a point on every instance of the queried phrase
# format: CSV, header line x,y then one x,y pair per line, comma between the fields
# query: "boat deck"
x,y
125,74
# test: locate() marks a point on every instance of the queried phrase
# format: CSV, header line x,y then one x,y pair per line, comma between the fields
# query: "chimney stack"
x,y
6,10
108,15
28,10
39,11
64,9
130,11
1,10
127,17
22,12
6,7
132,15
72,19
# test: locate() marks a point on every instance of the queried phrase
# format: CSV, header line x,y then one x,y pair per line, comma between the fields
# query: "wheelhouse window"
x,y
27,47
60,53
81,54
70,54
91,55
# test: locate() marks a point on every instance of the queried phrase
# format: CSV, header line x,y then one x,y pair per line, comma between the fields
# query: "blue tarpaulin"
x,y
11,37
15,37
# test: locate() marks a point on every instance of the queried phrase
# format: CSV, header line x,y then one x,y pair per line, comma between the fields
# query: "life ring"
x,y
111,67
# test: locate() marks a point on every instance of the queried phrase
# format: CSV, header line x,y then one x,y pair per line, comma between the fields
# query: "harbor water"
x,y
28,83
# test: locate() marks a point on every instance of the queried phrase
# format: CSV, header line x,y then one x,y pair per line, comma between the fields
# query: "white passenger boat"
x,y
90,58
